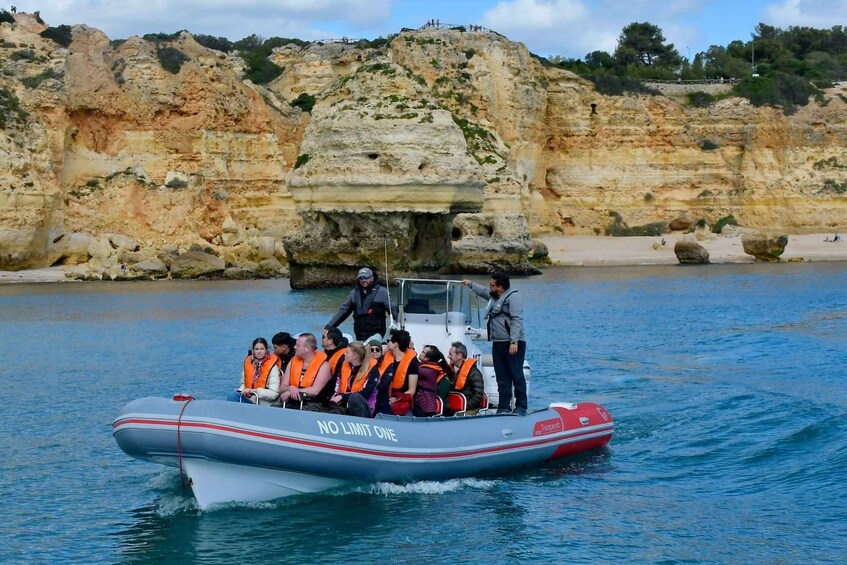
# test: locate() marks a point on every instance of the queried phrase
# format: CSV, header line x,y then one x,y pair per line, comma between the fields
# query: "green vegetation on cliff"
x,y
781,68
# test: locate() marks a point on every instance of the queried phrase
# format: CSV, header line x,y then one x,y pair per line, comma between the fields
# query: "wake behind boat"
x,y
244,452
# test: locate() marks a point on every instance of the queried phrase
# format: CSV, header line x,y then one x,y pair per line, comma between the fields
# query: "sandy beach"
x,y
51,274
600,251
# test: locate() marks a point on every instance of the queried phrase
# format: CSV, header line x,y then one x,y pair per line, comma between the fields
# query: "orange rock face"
x,y
466,126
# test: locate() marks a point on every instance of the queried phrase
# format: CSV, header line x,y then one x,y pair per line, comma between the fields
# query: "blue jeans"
x,y
236,396
509,372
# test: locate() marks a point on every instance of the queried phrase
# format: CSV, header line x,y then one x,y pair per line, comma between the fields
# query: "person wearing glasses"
x,y
368,303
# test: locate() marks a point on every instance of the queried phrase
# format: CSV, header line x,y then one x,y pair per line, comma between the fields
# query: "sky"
x,y
569,28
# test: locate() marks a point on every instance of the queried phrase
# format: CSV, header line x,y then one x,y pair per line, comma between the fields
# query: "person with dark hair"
x,y
505,330
369,304
359,376
399,376
307,378
433,370
334,344
259,377
469,381
283,345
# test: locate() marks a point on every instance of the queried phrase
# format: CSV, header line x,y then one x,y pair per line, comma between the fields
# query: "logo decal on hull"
x,y
545,427
330,427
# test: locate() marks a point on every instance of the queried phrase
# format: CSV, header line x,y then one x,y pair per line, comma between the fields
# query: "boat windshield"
x,y
435,297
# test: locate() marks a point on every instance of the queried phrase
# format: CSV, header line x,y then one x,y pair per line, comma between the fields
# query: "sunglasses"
x,y
376,350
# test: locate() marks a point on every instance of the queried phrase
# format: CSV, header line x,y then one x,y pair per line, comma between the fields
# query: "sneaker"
x,y
503,411
519,412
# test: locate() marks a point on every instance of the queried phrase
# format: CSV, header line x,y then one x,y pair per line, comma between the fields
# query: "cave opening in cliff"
x,y
373,156
456,234
593,108
489,230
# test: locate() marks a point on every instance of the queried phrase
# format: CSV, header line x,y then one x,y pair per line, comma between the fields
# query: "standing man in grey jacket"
x,y
505,331
369,303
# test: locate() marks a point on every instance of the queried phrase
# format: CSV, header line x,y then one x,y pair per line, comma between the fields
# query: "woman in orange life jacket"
x,y
434,373
356,394
259,376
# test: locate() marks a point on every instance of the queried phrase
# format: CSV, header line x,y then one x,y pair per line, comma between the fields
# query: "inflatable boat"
x,y
240,452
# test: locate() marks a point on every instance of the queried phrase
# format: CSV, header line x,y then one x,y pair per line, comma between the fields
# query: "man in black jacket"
x,y
369,304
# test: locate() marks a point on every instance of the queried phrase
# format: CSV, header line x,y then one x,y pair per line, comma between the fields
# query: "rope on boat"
x,y
186,399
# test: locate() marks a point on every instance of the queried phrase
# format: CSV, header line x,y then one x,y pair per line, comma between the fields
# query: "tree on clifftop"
x,y
643,44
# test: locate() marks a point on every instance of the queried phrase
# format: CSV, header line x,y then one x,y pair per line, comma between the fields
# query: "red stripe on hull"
x,y
332,447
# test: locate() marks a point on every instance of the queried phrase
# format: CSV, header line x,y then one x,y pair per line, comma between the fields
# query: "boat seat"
x,y
483,404
439,407
457,402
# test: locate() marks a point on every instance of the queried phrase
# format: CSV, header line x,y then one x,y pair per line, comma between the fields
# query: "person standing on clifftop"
x,y
505,331
369,304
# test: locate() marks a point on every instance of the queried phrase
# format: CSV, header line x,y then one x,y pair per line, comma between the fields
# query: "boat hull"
x,y
238,452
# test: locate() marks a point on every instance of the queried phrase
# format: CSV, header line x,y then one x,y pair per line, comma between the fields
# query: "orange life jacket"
x,y
464,372
402,368
344,385
387,361
268,363
335,359
295,370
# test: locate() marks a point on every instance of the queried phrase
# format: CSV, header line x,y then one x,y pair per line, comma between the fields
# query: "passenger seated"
x,y
359,376
432,371
399,375
259,376
307,379
283,345
469,381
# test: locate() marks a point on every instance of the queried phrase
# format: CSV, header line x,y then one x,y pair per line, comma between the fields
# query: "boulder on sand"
x,y
763,247
690,252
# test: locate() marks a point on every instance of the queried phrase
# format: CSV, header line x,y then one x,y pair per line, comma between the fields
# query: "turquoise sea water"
x,y
727,384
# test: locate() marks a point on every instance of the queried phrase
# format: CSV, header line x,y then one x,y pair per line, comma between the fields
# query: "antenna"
x,y
387,289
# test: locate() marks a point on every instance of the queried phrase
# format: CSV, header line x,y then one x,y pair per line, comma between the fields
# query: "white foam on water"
x,y
165,480
431,487
176,503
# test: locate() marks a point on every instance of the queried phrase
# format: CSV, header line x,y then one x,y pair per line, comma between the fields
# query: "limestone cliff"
x,y
446,148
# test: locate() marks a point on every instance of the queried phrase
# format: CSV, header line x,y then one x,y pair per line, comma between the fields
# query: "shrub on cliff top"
x,y
302,160
613,85
171,59
161,37
217,43
621,229
255,52
35,81
10,108
700,99
778,89
724,221
61,34
5,16
305,102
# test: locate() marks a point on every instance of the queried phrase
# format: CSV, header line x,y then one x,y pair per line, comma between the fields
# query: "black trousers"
x,y
509,372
